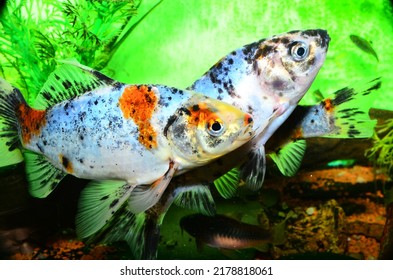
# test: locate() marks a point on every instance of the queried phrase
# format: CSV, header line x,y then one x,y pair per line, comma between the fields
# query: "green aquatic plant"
x,y
34,34
382,150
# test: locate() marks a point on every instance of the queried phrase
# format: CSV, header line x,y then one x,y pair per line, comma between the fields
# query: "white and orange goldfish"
x,y
267,79
342,115
100,129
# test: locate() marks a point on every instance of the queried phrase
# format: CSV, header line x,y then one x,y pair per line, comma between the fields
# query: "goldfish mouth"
x,y
247,134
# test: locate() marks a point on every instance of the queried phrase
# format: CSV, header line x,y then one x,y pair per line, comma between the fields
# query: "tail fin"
x,y
344,115
10,98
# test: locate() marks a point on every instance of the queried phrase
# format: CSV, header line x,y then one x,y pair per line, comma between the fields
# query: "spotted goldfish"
x,y
344,114
92,127
267,79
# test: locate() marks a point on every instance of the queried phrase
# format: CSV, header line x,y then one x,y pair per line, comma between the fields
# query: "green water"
x,y
179,40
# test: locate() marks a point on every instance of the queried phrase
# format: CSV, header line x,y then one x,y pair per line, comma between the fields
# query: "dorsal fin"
x,y
69,80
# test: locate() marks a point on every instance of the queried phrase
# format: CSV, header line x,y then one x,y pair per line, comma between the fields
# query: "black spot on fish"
x,y
374,87
114,203
248,49
195,108
230,61
284,40
56,77
185,110
263,51
95,102
104,197
67,84
213,78
171,120
40,148
46,95
65,162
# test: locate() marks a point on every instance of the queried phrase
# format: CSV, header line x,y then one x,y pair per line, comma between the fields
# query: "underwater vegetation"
x,y
36,33
382,150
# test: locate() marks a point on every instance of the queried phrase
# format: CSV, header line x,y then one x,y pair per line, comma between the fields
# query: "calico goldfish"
x,y
344,114
266,79
99,129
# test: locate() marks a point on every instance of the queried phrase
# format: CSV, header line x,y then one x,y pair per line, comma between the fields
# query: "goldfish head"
x,y
205,128
287,64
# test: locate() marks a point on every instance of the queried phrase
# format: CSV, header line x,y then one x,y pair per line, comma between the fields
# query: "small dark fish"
x,y
364,45
222,232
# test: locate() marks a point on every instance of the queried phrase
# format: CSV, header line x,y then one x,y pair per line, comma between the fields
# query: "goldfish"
x,y
343,114
93,127
266,79
348,118
223,232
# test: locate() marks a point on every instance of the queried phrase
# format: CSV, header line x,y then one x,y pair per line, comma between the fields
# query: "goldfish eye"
x,y
215,127
299,51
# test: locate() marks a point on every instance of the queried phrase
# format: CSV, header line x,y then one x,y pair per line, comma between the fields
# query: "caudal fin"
x,y
343,115
10,98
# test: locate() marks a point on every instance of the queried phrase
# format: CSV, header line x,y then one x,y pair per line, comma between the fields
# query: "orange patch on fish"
x,y
66,163
138,103
200,114
31,121
328,105
247,119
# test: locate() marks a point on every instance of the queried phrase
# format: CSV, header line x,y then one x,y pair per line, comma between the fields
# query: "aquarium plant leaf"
x,y
34,34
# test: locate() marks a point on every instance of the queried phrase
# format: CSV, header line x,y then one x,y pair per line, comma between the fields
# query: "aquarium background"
x,y
173,42
180,40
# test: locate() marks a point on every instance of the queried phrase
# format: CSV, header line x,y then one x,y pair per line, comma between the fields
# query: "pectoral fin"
x,y
289,157
196,198
228,183
42,176
144,197
254,169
